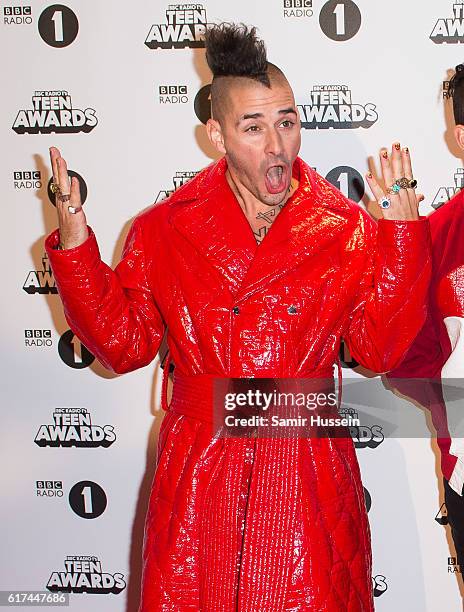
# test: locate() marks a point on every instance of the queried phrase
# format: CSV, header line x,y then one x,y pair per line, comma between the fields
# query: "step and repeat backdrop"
x,y
123,90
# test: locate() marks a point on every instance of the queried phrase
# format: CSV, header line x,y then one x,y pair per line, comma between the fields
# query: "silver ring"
x,y
73,210
385,202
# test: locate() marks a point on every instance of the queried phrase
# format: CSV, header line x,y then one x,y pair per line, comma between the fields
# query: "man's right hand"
x,y
73,227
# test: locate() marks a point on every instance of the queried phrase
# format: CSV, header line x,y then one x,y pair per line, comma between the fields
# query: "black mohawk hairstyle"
x,y
235,50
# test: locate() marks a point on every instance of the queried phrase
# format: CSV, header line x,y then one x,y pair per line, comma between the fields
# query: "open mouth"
x,y
276,179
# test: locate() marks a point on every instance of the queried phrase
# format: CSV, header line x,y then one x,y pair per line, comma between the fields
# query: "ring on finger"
x,y
385,202
54,187
74,209
394,189
64,197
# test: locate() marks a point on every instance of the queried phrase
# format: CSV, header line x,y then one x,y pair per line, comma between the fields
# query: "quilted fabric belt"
x,y
260,577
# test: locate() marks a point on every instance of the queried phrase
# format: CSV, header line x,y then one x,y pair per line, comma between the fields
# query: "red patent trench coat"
x,y
251,524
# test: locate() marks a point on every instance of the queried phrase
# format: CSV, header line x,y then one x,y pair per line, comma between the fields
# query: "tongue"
x,y
275,182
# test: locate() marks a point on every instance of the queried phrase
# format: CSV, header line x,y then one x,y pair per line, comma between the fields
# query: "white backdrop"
x,y
140,139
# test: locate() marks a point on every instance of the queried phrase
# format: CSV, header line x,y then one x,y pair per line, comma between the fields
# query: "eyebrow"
x,y
283,111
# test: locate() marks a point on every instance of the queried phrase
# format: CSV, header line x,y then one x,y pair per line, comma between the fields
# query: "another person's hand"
x,y
399,200
71,217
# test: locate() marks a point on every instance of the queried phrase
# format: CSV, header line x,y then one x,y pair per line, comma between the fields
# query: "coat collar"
x,y
207,214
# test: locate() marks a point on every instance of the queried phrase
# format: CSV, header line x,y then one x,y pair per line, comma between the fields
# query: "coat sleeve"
x,y
391,306
113,313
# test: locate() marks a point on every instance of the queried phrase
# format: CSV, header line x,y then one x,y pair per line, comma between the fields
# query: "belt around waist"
x,y
198,395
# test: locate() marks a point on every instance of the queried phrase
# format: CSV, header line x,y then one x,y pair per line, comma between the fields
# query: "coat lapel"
x,y
309,222
208,215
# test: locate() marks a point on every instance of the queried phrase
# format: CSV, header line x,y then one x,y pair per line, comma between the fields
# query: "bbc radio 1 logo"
x,y
364,436
49,488
40,281
71,174
450,29
86,498
73,427
38,338
444,194
58,25
331,106
179,179
27,179
367,499
84,574
340,20
53,111
173,94
185,27
297,8
453,566
73,353
17,15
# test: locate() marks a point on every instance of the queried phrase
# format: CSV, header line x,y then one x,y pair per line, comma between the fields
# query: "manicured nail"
x,y
406,150
385,154
397,146
369,175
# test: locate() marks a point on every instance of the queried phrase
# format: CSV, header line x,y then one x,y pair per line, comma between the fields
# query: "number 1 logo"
x,y
340,19
58,25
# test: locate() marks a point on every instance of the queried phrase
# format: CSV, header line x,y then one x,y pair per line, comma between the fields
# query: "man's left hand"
x,y
399,201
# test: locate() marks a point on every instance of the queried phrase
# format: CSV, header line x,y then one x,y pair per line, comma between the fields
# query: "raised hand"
x,y
71,216
399,200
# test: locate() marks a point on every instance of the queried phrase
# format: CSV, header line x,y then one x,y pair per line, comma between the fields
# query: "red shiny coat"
x,y
251,524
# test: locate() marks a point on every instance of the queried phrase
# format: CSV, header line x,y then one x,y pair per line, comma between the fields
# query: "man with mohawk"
x,y
257,268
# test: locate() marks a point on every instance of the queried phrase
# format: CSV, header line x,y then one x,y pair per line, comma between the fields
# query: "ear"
x,y
215,135
459,135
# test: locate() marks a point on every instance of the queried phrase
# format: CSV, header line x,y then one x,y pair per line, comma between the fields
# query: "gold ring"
x,y
55,188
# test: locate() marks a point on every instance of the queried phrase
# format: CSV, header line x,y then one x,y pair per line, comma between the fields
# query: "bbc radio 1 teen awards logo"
x,y
180,178
84,574
450,29
442,515
17,15
379,584
73,427
364,436
40,281
185,27
331,106
444,194
53,111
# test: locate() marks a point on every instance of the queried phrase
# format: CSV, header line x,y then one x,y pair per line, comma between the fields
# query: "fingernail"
x,y
397,146
369,175
385,154
406,150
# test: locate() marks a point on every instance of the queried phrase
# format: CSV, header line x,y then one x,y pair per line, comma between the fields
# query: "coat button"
x,y
291,309
235,309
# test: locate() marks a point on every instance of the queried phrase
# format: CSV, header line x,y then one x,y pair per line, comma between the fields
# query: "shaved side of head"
x,y
237,58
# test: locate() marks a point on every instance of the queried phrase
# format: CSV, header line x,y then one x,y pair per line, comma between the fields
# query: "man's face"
x,y
261,137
